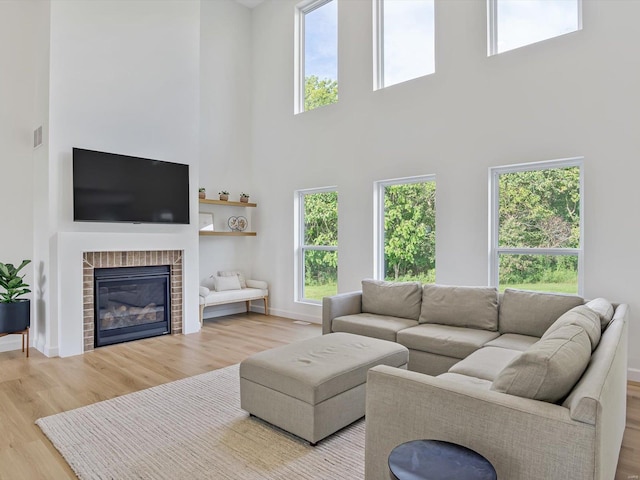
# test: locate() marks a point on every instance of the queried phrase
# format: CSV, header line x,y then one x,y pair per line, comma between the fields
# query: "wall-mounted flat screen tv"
x,y
108,187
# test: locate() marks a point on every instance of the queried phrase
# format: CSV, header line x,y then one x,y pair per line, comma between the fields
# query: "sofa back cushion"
x,y
399,299
604,309
582,316
531,313
472,307
550,368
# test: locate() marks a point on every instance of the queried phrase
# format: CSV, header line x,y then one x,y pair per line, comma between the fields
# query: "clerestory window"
x,y
316,52
516,23
403,40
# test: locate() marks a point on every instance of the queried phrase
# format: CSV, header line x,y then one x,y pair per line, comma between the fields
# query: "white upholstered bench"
x,y
314,387
231,287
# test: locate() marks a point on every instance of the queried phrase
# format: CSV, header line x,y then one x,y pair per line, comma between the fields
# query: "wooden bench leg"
x,y
201,315
248,302
266,306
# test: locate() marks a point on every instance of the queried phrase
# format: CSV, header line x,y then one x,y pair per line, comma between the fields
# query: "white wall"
x,y
570,96
124,79
20,43
225,139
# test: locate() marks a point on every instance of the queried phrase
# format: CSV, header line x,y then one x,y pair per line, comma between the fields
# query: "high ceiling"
x,y
250,3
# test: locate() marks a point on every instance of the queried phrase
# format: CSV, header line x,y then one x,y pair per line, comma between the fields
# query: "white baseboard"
x,y
294,315
633,374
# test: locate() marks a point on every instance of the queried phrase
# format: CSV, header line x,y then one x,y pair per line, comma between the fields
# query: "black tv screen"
x,y
108,187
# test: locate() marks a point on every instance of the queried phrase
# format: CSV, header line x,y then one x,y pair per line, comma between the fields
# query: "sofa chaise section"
x,y
524,439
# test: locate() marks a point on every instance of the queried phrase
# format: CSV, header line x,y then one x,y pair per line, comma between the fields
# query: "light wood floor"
x,y
40,386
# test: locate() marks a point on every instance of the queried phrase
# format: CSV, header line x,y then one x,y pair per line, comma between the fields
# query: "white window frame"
x,y
492,27
494,227
378,217
302,9
378,45
300,247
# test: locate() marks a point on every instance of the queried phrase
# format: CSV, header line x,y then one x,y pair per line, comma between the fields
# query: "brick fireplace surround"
x,y
92,260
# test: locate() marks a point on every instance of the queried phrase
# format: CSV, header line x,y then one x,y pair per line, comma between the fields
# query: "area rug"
x,y
194,429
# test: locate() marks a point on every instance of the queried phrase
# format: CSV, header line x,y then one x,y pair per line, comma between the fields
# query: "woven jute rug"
x,y
194,429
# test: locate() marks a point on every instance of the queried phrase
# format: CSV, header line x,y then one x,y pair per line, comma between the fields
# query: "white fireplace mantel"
x,y
64,327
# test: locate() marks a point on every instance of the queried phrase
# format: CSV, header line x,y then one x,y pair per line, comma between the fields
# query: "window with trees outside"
x,y
316,51
516,23
317,244
405,224
404,40
536,226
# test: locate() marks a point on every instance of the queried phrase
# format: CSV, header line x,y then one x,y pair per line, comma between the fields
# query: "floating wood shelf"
x,y
226,202
228,234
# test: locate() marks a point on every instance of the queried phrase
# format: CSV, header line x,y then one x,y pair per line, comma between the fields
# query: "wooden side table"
x,y
438,460
24,333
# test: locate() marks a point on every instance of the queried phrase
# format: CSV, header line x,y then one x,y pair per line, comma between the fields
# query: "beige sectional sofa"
x,y
535,382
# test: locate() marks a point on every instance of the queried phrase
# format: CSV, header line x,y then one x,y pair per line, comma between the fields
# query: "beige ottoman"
x,y
315,387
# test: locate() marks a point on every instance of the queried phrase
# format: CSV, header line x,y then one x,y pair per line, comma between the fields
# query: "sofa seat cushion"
x,y
583,316
550,368
383,327
531,313
467,380
513,341
471,307
398,299
456,342
485,363
229,296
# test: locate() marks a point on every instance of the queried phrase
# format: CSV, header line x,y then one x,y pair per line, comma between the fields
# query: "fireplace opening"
x,y
131,303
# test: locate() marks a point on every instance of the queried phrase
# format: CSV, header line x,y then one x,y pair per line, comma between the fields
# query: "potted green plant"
x,y
224,195
244,197
202,193
15,312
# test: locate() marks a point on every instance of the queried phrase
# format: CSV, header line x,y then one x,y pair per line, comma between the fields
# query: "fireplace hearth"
x,y
131,303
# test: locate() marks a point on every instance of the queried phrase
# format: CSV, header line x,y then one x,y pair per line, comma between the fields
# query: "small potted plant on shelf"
x,y
202,193
244,197
224,195
15,313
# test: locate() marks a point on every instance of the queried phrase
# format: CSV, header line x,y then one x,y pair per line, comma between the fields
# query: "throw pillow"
x,y
582,316
204,291
233,273
604,309
396,299
471,307
531,313
550,368
227,283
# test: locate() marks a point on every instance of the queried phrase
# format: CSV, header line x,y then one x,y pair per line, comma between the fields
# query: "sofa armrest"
x,y
338,305
524,439
257,284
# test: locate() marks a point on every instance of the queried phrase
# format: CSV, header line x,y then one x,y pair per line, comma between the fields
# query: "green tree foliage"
x,y
409,225
321,228
539,209
318,93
